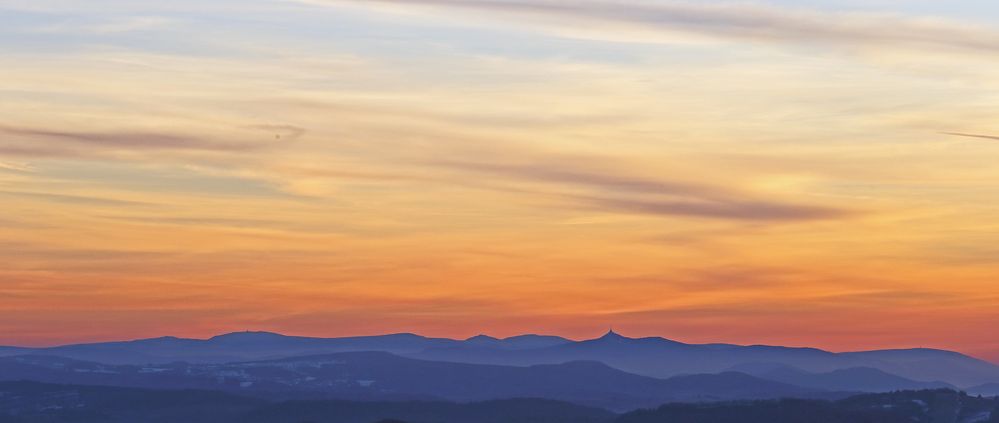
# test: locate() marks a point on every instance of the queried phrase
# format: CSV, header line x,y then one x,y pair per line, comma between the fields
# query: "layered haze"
x,y
816,173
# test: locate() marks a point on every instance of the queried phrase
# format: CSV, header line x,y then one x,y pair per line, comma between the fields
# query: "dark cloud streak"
x,y
616,191
735,209
553,170
961,134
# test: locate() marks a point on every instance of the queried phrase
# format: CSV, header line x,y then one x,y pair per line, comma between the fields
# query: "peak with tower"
x,y
613,336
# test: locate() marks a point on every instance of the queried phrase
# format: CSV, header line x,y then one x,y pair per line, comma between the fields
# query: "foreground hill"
x,y
381,376
656,357
30,402
497,411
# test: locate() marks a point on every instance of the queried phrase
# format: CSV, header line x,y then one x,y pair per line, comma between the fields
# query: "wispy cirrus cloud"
x,y
109,26
57,142
728,20
72,199
15,167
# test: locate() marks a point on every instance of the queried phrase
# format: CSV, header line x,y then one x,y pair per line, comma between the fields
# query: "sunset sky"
x,y
814,172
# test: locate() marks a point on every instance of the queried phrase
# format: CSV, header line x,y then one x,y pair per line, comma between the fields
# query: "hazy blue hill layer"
x,y
655,357
377,375
988,389
660,357
855,379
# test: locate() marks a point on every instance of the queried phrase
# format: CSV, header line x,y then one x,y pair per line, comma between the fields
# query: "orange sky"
x,y
757,173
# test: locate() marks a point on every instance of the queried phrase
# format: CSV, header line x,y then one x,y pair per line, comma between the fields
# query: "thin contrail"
x,y
961,134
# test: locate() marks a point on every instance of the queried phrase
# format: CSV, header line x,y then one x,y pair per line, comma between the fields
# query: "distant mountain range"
x,y
243,346
652,357
239,346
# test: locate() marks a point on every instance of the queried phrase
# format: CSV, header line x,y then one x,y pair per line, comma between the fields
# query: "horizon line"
x,y
609,332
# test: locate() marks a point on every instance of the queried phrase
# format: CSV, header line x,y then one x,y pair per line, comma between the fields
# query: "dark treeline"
x,y
930,406
30,402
